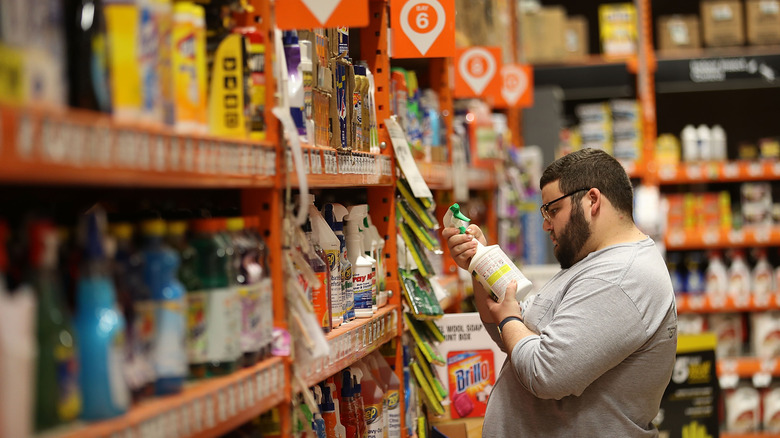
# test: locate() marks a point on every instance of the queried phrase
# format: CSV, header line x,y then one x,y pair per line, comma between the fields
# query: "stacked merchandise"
x,y
418,114
709,144
154,301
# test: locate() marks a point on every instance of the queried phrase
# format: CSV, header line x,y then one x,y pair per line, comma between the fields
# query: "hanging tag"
x,y
405,161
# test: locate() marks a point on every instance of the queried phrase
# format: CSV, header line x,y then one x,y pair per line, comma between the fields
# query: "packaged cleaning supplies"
x,y
716,277
334,215
490,266
362,268
739,276
762,278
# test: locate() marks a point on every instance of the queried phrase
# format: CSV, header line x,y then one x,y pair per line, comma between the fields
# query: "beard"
x,y
572,238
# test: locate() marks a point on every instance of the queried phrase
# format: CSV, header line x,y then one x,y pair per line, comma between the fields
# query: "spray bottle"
x,y
490,265
360,407
332,247
349,416
361,266
331,413
334,215
392,387
373,401
318,424
369,251
378,246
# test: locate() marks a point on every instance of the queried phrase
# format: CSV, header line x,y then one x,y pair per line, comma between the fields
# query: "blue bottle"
x,y
100,328
169,354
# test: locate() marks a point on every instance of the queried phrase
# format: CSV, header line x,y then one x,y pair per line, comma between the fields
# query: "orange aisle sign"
x,y
308,14
477,72
517,87
423,28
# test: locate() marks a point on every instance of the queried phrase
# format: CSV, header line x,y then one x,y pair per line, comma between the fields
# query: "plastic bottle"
x,y
334,215
704,140
392,387
369,251
739,276
317,259
378,247
490,265
333,426
248,273
135,299
332,247
88,72
716,275
214,311
168,294
695,279
57,397
373,402
719,145
149,29
184,67
360,407
122,25
265,303
361,266
689,144
292,53
762,279
307,76
198,15
100,327
672,264
256,63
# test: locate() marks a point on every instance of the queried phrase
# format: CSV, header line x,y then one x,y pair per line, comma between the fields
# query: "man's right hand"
x,y
463,246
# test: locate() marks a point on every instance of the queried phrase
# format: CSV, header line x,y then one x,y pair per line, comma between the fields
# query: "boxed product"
x,y
756,203
763,21
542,34
618,29
722,23
576,37
678,32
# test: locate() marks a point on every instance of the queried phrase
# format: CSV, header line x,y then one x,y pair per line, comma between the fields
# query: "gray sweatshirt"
x,y
604,354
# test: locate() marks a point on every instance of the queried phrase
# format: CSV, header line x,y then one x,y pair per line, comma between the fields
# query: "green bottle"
x,y
58,397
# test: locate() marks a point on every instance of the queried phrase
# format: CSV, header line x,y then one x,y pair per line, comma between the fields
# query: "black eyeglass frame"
x,y
544,209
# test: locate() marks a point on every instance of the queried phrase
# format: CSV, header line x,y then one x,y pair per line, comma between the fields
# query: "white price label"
x,y
693,171
24,137
755,169
731,170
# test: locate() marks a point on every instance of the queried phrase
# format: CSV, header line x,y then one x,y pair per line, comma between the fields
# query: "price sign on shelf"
x,y
424,28
516,87
303,14
477,72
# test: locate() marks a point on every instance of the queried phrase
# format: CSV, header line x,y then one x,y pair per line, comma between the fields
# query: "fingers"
x,y
477,233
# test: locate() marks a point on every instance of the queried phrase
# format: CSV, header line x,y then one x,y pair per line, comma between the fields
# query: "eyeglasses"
x,y
545,208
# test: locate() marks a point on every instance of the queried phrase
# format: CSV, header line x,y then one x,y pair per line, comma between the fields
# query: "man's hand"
x,y
463,246
508,307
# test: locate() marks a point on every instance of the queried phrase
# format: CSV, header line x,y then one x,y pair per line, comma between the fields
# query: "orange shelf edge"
x,y
705,304
749,236
730,171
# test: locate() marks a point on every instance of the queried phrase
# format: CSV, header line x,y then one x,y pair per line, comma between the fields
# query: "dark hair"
x,y
592,168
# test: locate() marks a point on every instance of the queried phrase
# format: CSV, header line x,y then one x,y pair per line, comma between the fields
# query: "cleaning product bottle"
x,y
392,387
672,264
307,75
247,272
334,427
761,277
332,247
168,294
318,424
378,246
695,279
265,303
349,416
719,145
214,312
134,298
739,276
57,397
716,276
328,410
704,140
490,265
198,17
373,402
122,20
361,266
690,145
185,70
359,405
369,251
101,331
334,215
320,291
149,28
256,62
88,71
226,93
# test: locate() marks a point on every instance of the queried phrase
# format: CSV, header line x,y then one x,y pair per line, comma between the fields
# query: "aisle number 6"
x,y
422,21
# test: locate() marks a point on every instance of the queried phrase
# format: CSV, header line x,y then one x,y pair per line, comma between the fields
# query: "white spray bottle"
x,y
369,251
334,214
332,247
361,266
490,265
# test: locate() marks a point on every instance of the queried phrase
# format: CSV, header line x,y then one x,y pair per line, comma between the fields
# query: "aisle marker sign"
x,y
427,28
476,72
516,87
303,14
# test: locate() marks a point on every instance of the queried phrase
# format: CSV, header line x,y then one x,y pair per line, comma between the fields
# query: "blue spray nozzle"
x,y
327,404
346,385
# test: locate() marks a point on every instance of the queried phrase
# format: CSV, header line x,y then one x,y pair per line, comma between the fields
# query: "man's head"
x,y
587,173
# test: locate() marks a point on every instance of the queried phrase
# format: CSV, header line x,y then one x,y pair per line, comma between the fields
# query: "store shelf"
x,y
592,77
451,284
747,367
352,342
732,171
482,178
708,304
74,147
739,68
438,176
747,237
749,435
328,168
206,408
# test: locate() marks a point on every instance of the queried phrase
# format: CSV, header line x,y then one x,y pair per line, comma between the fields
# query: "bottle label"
x,y
143,332
267,313
336,304
362,286
223,331
170,356
347,292
320,299
69,403
393,413
251,315
374,420
120,395
197,303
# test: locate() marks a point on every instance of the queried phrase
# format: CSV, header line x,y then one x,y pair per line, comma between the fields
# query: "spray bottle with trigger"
x,y
490,265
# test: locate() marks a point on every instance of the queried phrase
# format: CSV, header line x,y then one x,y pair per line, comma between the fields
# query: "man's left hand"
x,y
508,307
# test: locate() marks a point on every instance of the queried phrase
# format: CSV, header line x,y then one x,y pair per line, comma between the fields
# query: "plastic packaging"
x,y
765,334
694,281
227,97
332,246
101,331
150,21
362,268
739,276
122,25
762,278
334,215
689,144
728,329
187,102
17,356
718,142
704,139
257,94
317,259
392,386
716,276
770,402
265,325
292,52
742,409
170,305
490,265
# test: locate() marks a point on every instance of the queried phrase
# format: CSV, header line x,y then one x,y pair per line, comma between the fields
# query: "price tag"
x,y
185,420
761,300
222,406
232,399
476,72
731,170
677,238
728,374
24,136
142,140
516,86
305,14
741,301
697,302
53,141
755,169
405,160
762,233
78,144
693,171
776,168
202,156
737,236
209,414
249,392
423,28
667,173
711,237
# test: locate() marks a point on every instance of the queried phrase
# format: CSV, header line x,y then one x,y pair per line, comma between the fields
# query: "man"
x,y
592,352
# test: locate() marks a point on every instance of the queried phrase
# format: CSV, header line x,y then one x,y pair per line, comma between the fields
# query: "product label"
x,y
357,108
197,312
470,380
120,396
320,299
170,356
374,420
336,303
496,271
347,292
266,312
223,330
250,317
69,402
362,287
393,400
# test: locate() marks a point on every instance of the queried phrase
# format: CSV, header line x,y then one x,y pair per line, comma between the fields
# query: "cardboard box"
x,y
618,29
678,32
576,37
723,23
542,34
763,21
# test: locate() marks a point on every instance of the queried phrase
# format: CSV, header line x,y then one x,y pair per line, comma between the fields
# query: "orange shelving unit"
x,y
708,304
747,237
720,172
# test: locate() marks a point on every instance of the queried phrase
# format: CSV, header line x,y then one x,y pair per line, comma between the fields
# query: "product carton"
x,y
677,32
542,34
722,23
618,29
763,21
576,37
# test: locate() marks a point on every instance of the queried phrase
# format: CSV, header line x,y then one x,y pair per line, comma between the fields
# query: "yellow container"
x,y
122,30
